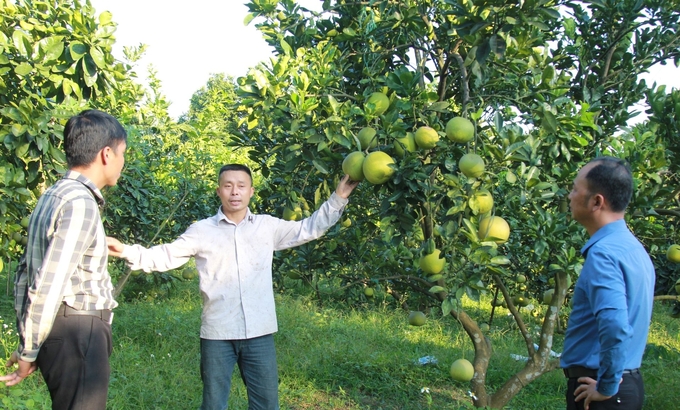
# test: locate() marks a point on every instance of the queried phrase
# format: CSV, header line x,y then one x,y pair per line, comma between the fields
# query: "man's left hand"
x,y
24,370
345,187
587,391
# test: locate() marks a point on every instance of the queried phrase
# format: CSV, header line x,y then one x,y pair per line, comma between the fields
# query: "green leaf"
x,y
549,121
249,17
77,50
98,57
500,260
437,289
52,47
321,167
287,50
105,18
23,69
22,43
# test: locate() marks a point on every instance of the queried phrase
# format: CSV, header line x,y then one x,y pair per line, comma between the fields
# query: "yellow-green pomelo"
x,y
460,129
353,165
677,286
472,165
548,296
294,214
405,144
520,300
426,137
24,222
367,137
346,223
377,167
17,237
369,292
673,253
462,370
416,318
484,201
520,278
377,103
494,228
189,273
484,327
432,264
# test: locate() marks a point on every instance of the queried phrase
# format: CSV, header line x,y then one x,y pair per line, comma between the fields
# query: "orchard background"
x,y
547,86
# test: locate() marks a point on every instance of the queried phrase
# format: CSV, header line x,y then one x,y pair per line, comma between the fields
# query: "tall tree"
x,y
546,84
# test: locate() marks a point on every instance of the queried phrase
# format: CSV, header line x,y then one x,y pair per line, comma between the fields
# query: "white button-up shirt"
x,y
234,263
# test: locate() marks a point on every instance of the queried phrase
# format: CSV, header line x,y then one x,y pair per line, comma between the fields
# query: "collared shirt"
x,y
65,260
612,306
234,263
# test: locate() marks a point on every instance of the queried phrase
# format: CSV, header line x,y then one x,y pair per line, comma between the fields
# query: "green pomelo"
x,y
367,138
472,165
460,130
426,137
377,167
377,103
353,165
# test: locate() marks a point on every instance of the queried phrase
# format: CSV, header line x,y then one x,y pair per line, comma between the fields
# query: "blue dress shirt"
x,y
612,306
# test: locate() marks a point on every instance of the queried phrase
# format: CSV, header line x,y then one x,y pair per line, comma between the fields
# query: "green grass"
x,y
329,358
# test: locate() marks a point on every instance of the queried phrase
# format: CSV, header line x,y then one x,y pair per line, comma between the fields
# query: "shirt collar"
x,y
222,217
77,176
610,228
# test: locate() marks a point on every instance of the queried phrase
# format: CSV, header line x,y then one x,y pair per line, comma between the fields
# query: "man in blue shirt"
x,y
613,297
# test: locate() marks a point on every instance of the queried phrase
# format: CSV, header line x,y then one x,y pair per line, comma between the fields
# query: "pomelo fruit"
x,y
461,370
432,264
377,167
377,103
426,137
472,165
416,318
405,144
493,228
673,253
483,201
367,138
460,129
548,296
353,165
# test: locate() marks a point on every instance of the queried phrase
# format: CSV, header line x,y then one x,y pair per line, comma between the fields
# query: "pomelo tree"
x,y
57,60
547,85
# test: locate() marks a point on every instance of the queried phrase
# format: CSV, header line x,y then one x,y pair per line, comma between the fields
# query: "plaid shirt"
x,y
65,261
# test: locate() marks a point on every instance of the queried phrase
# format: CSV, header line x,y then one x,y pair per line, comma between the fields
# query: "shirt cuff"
x,y
337,202
607,388
27,355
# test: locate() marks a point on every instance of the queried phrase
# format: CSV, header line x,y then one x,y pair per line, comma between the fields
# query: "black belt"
x,y
575,372
104,314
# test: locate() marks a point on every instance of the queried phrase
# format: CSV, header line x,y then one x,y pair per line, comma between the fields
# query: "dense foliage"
x,y
548,85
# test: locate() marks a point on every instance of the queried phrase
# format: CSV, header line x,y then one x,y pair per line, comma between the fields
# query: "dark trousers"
x,y
74,361
630,396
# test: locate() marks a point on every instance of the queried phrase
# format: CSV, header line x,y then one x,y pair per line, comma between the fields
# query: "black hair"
x,y
613,178
88,133
235,167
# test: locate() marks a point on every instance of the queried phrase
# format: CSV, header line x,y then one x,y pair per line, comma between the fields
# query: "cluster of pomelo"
x,y
377,167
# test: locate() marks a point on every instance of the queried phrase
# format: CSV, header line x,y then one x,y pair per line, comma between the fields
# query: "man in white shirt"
x,y
233,251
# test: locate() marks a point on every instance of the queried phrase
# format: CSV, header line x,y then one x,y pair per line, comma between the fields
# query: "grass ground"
x,y
329,358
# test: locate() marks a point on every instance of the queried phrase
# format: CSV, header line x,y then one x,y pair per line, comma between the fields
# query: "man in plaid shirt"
x,y
63,291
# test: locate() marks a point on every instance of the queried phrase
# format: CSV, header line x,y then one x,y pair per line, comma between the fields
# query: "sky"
x,y
188,41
